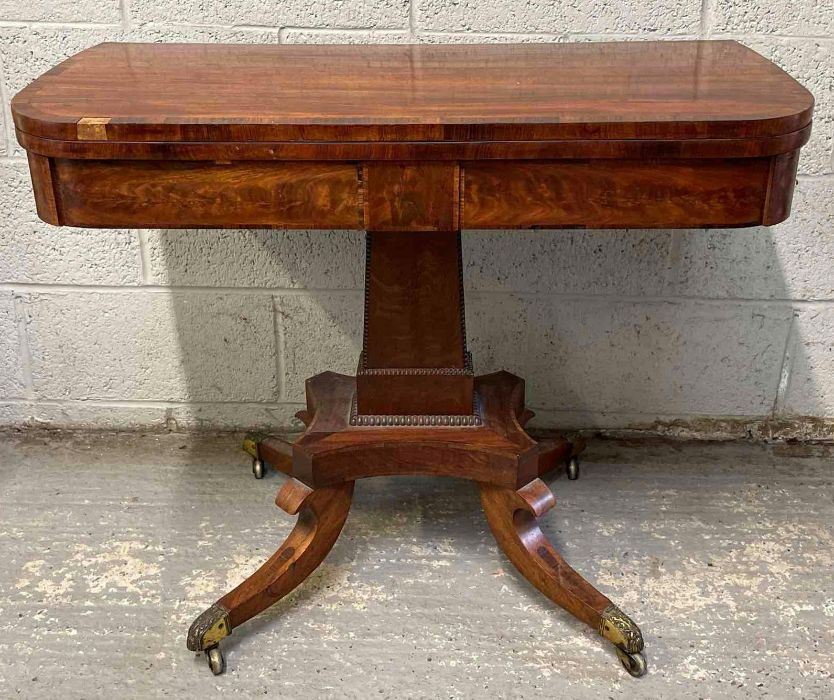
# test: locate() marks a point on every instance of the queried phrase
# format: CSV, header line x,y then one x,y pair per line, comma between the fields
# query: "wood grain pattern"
x,y
599,193
220,195
40,169
414,342
411,196
512,517
499,452
673,133
637,149
215,92
496,194
777,206
418,272
410,393
321,516
615,194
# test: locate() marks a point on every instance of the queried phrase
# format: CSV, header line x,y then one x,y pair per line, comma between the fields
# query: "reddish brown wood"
x,y
276,451
777,206
625,90
193,194
418,272
512,517
499,452
600,193
421,150
615,194
658,113
414,348
412,392
411,197
321,515
40,169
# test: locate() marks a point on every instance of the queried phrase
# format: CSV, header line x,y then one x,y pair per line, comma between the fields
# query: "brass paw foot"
x,y
205,634
619,629
209,628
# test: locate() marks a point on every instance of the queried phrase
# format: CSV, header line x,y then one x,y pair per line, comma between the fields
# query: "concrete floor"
x,y
110,545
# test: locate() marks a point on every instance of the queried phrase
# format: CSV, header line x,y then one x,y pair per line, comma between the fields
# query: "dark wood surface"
x,y
411,196
414,358
202,92
321,516
411,138
118,193
420,271
491,194
41,170
616,193
780,184
512,515
498,452
641,149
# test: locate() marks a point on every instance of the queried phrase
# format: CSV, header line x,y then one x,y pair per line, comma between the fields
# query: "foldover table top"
x,y
217,92
607,135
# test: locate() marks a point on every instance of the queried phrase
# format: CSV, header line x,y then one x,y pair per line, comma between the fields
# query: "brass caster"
x,y
619,629
216,662
258,468
572,468
635,663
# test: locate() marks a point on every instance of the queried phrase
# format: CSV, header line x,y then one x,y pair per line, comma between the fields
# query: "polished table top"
x,y
216,92
618,134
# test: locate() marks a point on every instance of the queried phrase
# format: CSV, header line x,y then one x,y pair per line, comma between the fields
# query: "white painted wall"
x,y
642,329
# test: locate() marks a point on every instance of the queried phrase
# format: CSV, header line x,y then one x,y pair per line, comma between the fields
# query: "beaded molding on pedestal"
x,y
399,371
472,420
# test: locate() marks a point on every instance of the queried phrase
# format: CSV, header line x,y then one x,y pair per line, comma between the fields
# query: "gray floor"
x,y
110,545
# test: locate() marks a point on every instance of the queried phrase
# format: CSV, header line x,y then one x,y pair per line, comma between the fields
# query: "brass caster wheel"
x,y
215,660
258,468
572,468
635,663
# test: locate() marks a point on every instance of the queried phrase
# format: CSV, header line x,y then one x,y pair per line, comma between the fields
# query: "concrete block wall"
x,y
701,333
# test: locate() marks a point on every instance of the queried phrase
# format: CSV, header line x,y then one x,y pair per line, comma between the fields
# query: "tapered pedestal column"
x,y
414,359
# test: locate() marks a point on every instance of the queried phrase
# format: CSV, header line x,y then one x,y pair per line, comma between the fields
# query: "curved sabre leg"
x,y
321,514
512,517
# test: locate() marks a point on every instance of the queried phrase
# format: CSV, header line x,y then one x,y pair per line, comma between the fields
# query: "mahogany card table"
x,y
413,144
